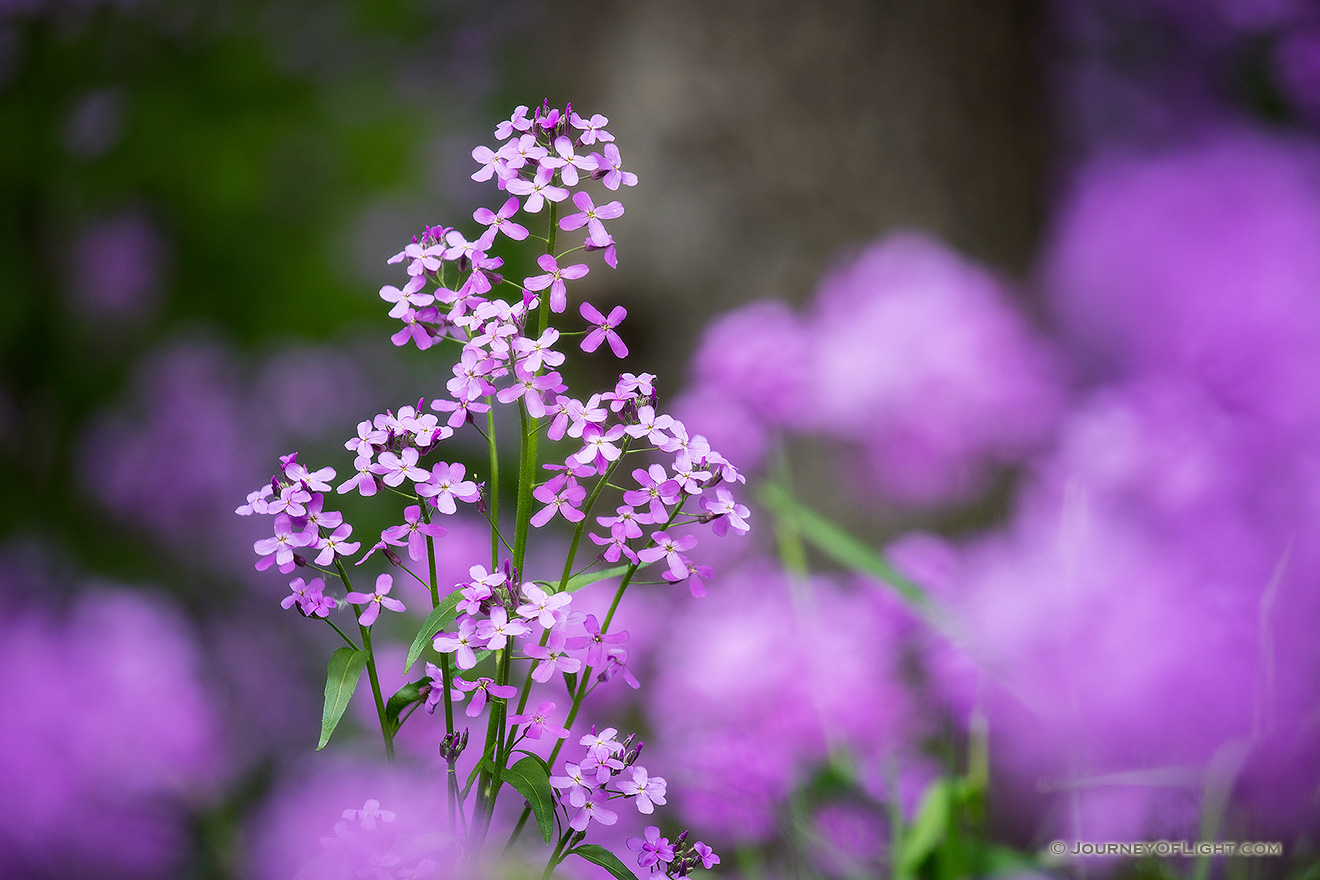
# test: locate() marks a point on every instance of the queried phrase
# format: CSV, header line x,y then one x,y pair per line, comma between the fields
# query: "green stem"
x,y
494,488
375,691
526,482
555,857
352,644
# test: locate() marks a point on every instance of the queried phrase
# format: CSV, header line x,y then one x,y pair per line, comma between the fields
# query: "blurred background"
x,y
1026,294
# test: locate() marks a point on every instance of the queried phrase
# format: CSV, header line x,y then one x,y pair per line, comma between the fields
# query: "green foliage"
x,y
531,779
346,665
599,855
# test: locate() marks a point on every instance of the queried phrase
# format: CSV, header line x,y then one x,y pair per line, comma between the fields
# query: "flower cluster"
x,y
506,354
609,770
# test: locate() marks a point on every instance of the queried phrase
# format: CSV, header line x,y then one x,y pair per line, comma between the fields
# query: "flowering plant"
x,y
501,625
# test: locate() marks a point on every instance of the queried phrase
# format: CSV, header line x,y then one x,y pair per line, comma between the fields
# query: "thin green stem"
x,y
556,857
352,644
526,483
494,488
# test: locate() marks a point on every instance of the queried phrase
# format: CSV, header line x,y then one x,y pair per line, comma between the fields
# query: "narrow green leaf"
x,y
929,828
439,618
341,679
403,698
843,548
590,577
529,778
599,855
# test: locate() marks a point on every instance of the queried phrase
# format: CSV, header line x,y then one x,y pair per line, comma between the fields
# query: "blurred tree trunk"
x,y
771,137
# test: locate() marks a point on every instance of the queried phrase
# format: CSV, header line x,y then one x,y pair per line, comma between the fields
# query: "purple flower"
x,y
497,630
408,297
461,644
593,810
728,513
552,658
336,544
610,167
302,593
554,279
590,216
289,534
670,550
652,849
375,600
538,190
646,790
541,606
593,129
447,484
595,641
393,469
562,495
657,489
413,533
500,222
538,722
706,854
575,782
604,329
479,690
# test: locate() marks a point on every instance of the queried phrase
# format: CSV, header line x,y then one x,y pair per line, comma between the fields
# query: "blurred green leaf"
x,y
839,545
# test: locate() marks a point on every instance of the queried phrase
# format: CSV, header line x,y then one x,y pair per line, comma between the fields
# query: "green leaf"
x,y
537,758
530,779
843,548
439,618
928,830
599,855
587,578
346,665
403,698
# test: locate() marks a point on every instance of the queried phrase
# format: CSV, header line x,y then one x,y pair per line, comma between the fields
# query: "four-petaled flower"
x,y
375,600
604,329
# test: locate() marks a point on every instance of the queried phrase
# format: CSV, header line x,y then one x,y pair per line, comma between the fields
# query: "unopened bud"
x,y
299,560
392,557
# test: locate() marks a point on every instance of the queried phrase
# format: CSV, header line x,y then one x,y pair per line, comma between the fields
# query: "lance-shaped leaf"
x,y
587,578
439,618
599,855
530,779
346,665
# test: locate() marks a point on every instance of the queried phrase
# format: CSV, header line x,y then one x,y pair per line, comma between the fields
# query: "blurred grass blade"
x,y
840,546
